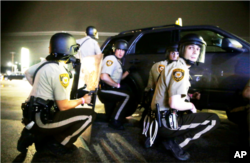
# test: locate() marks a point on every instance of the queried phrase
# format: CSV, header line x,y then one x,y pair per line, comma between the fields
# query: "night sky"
x,y
35,16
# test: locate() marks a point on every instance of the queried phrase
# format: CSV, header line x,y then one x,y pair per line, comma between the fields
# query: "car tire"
x,y
131,88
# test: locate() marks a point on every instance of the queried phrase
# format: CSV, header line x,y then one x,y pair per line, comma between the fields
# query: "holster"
x,y
47,109
173,119
169,119
28,110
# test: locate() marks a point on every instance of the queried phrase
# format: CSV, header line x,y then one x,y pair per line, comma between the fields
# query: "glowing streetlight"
x,y
12,59
24,59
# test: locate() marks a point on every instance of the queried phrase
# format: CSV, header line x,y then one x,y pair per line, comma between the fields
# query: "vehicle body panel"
x,y
223,75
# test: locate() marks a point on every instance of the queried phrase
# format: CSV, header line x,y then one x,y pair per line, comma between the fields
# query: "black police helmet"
x,y
120,44
92,32
171,48
62,45
191,39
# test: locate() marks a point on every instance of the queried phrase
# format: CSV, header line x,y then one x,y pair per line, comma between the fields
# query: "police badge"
x,y
64,79
160,68
109,63
178,74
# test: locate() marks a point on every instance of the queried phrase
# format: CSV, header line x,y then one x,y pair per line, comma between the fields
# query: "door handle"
x,y
134,61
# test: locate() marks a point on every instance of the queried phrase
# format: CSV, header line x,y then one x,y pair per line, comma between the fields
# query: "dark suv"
x,y
223,75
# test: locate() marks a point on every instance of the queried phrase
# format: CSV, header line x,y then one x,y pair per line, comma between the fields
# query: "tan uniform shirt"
x,y
174,80
154,74
51,82
112,66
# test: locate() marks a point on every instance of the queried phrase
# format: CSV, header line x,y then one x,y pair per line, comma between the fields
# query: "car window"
x,y
108,49
153,43
213,39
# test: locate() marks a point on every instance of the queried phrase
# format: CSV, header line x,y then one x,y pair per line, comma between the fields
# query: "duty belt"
x,y
35,105
105,86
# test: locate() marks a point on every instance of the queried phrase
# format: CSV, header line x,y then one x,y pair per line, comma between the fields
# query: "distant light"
x,y
8,72
42,59
25,59
9,64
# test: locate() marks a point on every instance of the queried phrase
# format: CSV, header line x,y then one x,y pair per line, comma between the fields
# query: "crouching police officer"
x,y
51,120
172,54
115,97
171,97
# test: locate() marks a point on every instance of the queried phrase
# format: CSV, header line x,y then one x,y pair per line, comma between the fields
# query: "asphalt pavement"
x,y
107,144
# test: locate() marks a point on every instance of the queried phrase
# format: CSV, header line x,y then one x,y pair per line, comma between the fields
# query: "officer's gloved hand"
x,y
132,69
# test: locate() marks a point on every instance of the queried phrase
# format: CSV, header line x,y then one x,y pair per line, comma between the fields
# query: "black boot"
x,y
177,151
57,149
115,124
26,139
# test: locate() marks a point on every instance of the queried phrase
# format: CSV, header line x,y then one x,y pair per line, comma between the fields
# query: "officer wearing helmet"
x,y
172,54
115,97
51,120
171,98
88,44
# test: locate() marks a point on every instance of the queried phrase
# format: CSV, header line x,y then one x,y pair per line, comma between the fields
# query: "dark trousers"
x,y
191,127
67,125
118,103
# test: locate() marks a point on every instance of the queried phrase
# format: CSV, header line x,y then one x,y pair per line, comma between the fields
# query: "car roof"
x,y
166,26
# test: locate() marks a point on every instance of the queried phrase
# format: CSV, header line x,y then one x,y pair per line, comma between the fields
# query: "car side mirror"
x,y
232,45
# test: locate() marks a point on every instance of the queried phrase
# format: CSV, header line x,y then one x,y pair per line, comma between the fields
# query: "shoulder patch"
x,y
109,62
64,79
178,74
160,68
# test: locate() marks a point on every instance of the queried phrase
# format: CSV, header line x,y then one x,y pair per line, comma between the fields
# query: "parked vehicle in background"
x,y
15,76
224,74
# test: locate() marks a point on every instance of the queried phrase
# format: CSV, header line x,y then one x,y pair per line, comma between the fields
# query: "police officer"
x,y
50,82
115,97
172,54
171,94
88,44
